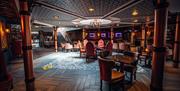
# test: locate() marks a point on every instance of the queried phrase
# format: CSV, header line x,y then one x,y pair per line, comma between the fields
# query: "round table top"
x,y
122,59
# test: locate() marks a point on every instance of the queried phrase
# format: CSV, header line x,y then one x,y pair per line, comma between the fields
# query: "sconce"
x,y
148,33
7,30
133,33
98,34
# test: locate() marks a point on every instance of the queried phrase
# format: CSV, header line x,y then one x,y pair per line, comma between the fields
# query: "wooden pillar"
x,y
112,33
3,68
176,56
55,39
133,35
143,36
159,49
27,45
83,34
5,78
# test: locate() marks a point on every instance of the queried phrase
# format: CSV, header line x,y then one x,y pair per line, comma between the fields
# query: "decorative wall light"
x,y
7,30
148,33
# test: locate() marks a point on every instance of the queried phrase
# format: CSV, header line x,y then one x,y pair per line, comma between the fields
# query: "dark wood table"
x,y
122,59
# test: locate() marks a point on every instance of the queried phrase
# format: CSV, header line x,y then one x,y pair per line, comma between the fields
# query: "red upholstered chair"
x,y
101,43
109,75
90,51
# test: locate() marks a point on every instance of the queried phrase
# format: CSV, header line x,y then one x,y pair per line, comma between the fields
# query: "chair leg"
x,y
131,77
109,87
135,75
122,85
123,88
101,85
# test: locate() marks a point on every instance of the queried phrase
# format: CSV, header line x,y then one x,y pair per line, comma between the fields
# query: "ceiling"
x,y
68,10
120,11
9,11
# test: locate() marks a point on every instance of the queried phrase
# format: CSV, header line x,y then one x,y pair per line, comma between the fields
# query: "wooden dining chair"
x,y
109,75
131,68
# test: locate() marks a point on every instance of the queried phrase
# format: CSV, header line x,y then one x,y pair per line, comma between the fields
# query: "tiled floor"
x,y
68,72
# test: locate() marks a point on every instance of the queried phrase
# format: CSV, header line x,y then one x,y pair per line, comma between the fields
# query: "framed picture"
x,y
103,35
118,35
92,35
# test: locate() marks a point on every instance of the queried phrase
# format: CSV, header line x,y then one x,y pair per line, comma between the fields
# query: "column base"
x,y
6,85
155,88
176,65
30,85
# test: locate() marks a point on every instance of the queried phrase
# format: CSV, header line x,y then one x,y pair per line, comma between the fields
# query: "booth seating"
x,y
110,76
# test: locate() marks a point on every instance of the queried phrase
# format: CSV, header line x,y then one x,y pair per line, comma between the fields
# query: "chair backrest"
x,y
122,46
100,43
105,67
84,43
115,46
90,49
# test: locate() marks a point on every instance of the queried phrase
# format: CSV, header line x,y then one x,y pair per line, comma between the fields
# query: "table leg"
x,y
122,67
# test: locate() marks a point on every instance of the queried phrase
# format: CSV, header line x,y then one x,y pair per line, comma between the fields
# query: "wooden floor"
x,y
71,73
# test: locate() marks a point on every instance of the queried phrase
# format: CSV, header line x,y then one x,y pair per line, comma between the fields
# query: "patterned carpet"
x,y
67,72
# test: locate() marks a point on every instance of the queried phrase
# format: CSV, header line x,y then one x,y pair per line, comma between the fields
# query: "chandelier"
x,y
95,22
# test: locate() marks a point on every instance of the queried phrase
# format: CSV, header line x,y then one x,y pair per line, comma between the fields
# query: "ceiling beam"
x,y
58,9
122,7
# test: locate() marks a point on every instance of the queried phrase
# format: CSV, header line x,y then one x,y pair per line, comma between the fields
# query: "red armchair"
x,y
90,51
109,75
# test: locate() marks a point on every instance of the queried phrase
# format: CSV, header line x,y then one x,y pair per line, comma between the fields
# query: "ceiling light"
x,y
135,20
134,13
95,22
36,26
91,9
56,17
